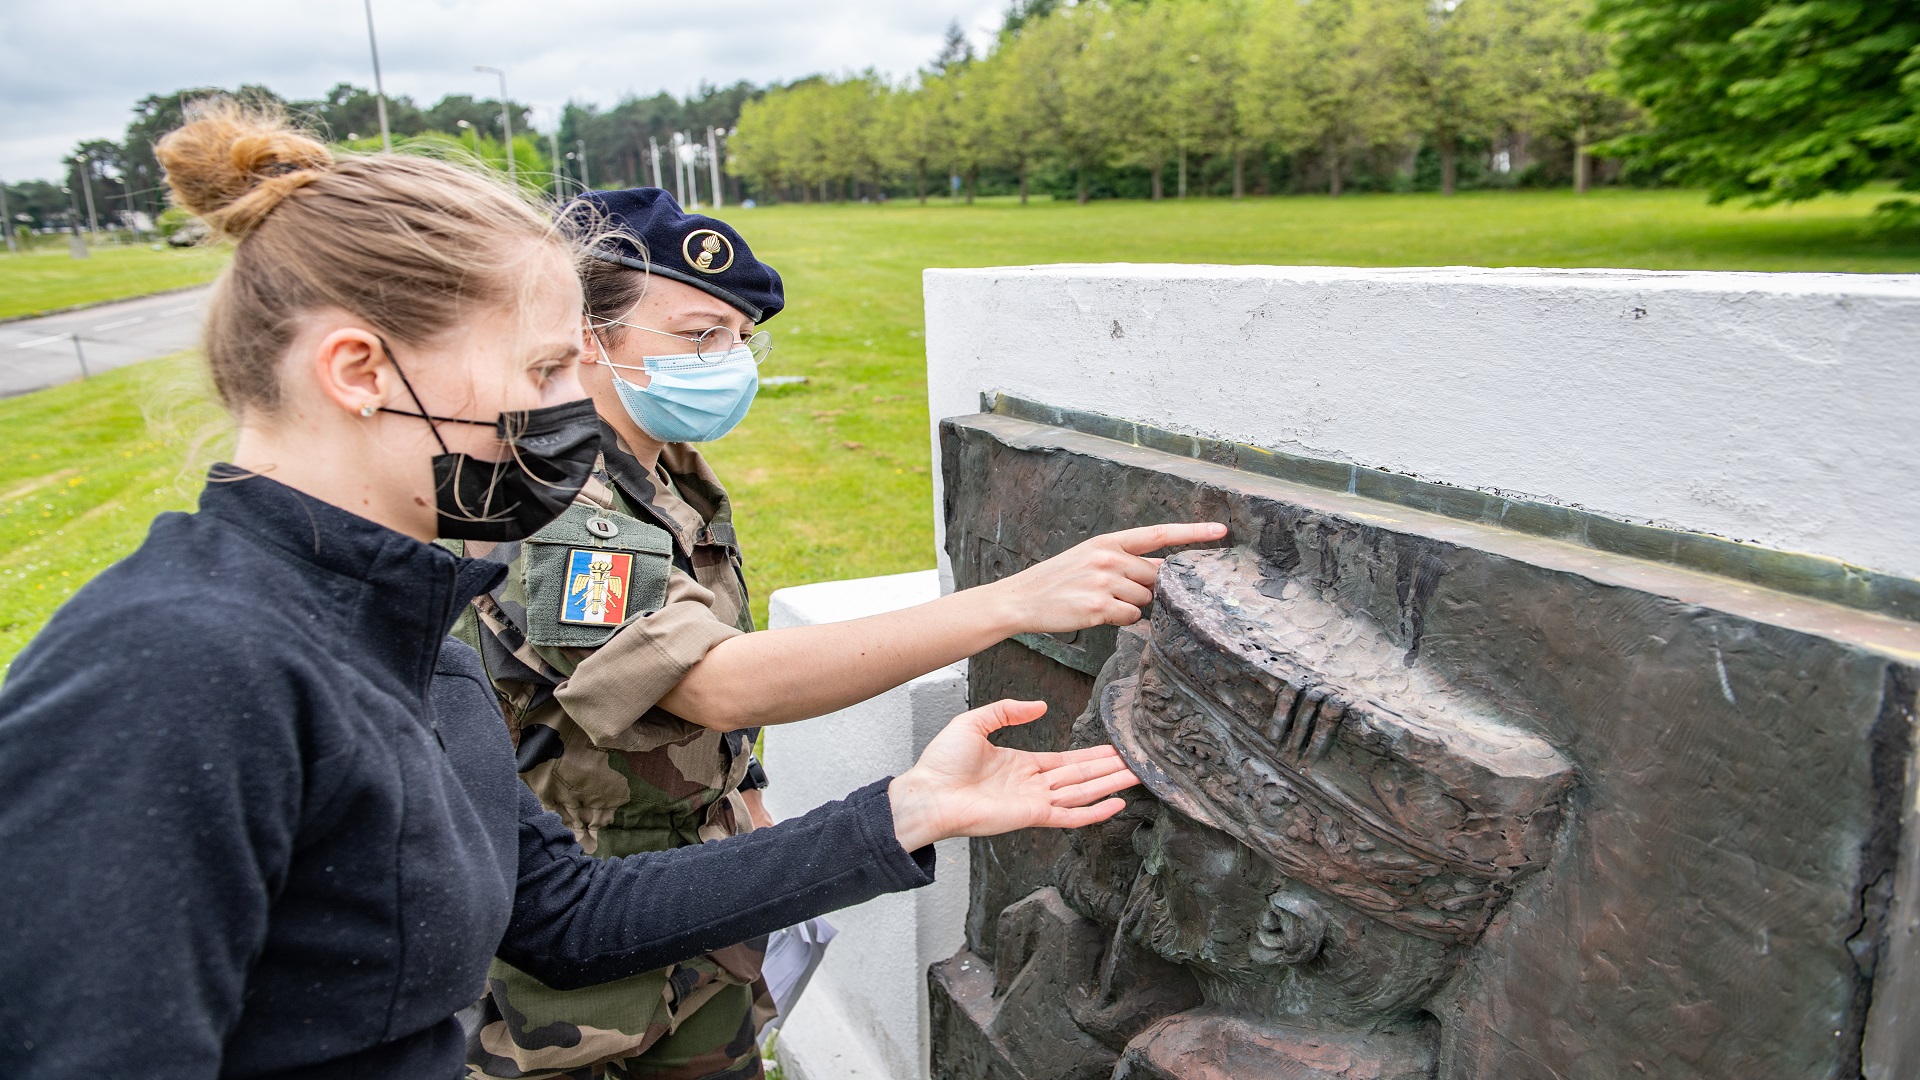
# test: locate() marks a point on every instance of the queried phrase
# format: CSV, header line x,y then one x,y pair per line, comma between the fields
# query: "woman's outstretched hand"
x,y
963,785
1102,581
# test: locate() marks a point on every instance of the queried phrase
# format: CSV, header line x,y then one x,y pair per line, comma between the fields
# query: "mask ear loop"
x,y
417,403
605,360
432,421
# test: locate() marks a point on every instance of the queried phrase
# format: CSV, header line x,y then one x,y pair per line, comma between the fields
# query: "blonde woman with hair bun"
x,y
261,817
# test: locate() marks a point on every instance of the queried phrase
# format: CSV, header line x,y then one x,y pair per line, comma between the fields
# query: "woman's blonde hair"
x,y
409,244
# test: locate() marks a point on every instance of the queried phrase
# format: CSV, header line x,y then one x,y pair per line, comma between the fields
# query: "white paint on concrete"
x,y
865,1012
1780,409
821,1043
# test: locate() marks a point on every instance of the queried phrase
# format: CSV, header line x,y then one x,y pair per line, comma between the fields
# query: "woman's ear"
x,y
350,367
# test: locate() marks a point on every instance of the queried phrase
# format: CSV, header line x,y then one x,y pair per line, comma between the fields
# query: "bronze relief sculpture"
x,y
1429,801
1386,824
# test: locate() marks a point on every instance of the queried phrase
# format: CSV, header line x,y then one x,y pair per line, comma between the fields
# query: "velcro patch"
x,y
598,585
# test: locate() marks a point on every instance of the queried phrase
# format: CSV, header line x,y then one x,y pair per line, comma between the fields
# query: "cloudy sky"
x,y
70,71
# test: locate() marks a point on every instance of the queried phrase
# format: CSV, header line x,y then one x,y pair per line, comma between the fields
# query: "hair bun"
x,y
231,165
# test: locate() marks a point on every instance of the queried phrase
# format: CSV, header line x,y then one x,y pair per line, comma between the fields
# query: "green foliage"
x,y
619,140
125,175
1773,100
37,204
811,135
532,165
172,220
1201,87
831,478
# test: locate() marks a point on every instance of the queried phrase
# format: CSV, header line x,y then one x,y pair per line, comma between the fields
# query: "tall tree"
x,y
1022,12
970,121
1122,68
481,114
1201,76
759,149
1565,85
1772,100
1022,86
1093,109
917,136
349,111
955,50
1452,62
1321,78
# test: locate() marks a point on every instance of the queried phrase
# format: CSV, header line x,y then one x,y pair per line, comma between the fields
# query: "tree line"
x,y
1224,95
108,181
1764,100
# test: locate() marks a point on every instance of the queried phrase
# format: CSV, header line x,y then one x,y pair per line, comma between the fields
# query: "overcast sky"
x,y
71,71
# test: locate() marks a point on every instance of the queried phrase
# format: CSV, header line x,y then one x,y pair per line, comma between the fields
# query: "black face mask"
x,y
554,450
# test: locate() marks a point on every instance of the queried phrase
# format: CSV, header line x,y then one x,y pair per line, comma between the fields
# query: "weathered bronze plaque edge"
x,y
1887,634
1802,574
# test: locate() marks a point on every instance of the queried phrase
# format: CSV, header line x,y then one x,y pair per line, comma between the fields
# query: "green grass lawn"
x,y
83,468
832,478
47,278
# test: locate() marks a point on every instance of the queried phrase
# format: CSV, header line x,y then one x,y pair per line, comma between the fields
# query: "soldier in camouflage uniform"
x,y
623,783
617,642
582,700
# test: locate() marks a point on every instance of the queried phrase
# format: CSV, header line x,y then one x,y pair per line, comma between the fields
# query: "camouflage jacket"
x,y
600,615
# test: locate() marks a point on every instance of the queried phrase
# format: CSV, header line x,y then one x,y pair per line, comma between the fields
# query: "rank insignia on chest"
x,y
597,587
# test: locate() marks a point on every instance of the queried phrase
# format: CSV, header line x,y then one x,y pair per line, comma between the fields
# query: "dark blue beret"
x,y
701,251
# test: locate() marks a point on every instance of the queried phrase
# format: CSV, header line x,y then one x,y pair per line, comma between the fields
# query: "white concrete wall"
x,y
863,1017
1782,409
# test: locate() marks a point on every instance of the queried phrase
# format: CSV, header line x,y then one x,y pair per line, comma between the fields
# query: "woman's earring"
x,y
368,409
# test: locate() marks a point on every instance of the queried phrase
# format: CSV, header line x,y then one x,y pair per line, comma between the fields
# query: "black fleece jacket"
x,y
259,818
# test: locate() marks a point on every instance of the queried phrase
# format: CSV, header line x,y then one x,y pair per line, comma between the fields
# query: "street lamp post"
x,y
379,88
553,147
586,184
713,166
653,147
76,247
690,168
132,222
692,153
86,185
6,219
506,120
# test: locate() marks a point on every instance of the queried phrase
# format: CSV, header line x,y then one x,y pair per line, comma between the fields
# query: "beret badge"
x,y
711,244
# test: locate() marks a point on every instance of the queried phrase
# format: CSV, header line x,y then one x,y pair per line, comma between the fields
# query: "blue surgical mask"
x,y
687,398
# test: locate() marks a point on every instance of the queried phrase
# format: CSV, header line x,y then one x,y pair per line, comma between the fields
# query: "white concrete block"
x,y
1773,408
865,1012
819,1042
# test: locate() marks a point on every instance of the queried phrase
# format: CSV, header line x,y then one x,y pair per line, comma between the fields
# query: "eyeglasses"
x,y
711,344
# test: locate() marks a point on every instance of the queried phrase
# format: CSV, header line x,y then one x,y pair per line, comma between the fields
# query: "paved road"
x,y
37,353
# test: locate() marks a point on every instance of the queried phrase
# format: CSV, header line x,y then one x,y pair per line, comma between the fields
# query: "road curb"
x,y
70,308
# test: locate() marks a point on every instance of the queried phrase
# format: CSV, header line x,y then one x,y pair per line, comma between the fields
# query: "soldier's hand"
x,y
757,809
963,785
1102,581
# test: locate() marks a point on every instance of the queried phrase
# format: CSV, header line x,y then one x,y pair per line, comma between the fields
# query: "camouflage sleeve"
x,y
579,921
611,689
